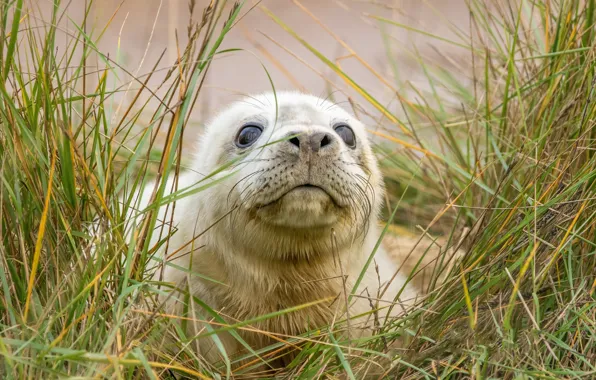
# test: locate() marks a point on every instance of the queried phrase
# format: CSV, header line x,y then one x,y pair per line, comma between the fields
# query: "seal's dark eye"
x,y
248,135
346,134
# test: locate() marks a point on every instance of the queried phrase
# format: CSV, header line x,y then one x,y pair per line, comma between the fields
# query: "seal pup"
x,y
290,218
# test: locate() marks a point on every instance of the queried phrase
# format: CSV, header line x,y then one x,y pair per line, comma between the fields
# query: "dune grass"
x,y
512,163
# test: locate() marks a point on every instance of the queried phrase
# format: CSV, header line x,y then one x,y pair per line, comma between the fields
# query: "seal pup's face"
x,y
303,165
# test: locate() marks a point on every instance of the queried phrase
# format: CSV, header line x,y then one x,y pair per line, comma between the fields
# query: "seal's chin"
x,y
305,206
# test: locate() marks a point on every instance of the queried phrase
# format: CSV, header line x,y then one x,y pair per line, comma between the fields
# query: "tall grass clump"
x,y
517,165
73,155
501,172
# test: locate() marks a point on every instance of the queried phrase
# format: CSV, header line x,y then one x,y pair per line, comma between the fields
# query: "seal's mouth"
x,y
308,187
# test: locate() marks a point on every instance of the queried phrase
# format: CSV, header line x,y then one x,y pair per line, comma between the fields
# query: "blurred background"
x,y
380,44
413,57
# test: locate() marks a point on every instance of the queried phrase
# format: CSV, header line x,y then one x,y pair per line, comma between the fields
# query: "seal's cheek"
x,y
302,207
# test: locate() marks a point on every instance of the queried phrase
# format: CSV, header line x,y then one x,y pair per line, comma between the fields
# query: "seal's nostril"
x,y
295,141
319,140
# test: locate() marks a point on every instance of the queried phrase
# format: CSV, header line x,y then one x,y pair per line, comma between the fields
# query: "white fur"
x,y
293,252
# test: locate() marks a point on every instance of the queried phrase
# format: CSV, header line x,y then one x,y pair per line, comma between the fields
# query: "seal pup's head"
x,y
302,169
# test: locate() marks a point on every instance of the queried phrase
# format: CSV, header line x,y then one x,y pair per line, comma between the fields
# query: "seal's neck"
x,y
312,271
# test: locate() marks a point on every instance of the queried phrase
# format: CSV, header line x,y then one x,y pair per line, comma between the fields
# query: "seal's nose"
x,y
313,141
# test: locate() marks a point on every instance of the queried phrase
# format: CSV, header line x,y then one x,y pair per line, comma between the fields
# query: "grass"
x,y
512,159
